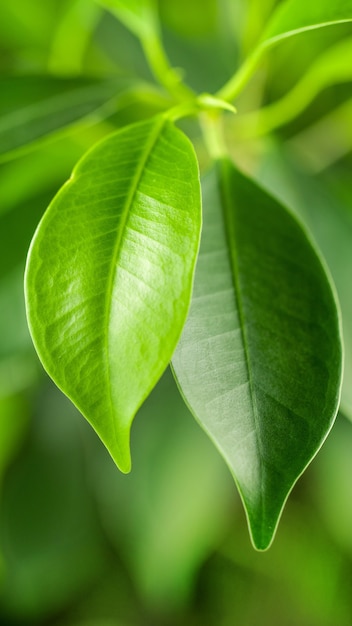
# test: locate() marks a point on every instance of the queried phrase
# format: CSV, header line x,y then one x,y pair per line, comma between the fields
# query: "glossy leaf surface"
x,y
295,16
110,271
259,360
33,107
324,202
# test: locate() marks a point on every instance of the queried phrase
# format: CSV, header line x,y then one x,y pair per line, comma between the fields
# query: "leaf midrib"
x,y
230,235
135,181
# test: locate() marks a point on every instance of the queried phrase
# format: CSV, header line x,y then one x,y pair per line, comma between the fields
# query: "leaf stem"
x,y
234,86
212,127
167,76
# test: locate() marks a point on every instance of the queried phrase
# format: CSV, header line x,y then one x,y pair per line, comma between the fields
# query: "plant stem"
x,y
235,85
212,127
167,76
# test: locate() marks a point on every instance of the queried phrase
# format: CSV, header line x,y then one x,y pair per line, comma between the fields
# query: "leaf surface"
x,y
259,360
110,270
33,107
324,203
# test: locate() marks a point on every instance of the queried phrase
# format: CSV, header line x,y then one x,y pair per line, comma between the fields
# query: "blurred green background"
x,y
80,544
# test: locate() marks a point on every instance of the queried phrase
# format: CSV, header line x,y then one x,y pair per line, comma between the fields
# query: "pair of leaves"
x,y
108,287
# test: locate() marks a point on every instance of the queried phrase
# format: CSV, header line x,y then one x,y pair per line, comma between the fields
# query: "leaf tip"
x,y
122,459
120,450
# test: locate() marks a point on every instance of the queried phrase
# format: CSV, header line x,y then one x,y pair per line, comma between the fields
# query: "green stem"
x,y
212,127
238,81
167,76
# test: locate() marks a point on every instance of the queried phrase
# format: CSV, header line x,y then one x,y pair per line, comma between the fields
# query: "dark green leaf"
x,y
327,212
33,107
259,360
110,272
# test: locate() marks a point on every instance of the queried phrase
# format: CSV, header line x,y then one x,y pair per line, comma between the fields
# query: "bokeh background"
x,y
81,544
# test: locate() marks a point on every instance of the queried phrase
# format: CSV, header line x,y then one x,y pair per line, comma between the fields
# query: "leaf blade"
x,y
242,362
121,301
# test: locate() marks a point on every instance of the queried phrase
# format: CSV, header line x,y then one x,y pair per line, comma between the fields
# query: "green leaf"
x,y
33,107
137,15
295,16
324,203
259,360
109,274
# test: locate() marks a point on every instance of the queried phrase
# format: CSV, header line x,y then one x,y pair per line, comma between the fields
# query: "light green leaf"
x,y
295,16
259,360
138,15
33,107
109,274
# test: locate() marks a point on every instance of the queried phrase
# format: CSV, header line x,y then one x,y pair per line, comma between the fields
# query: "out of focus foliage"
x,y
80,544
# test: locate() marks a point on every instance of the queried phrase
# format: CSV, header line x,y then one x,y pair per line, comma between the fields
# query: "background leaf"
x,y
295,16
290,18
110,272
179,487
48,525
332,66
259,360
137,15
33,107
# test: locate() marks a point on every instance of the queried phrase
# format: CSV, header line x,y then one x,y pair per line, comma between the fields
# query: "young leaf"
x,y
33,107
295,16
259,360
290,18
109,274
